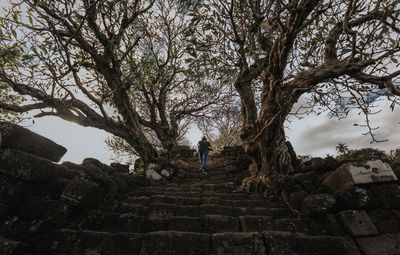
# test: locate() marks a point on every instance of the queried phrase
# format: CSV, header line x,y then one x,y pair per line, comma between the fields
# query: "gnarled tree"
x,y
116,65
284,49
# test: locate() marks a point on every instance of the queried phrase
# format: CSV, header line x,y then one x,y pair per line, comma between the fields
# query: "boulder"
x,y
356,197
19,138
120,167
13,191
105,168
82,193
152,172
28,167
318,204
351,174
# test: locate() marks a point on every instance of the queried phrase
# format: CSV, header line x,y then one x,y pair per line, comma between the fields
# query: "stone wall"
x,y
360,200
38,195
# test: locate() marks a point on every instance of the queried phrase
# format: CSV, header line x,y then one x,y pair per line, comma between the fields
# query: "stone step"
x,y
136,209
157,210
67,241
181,200
209,223
195,187
206,224
267,242
263,211
265,223
207,175
113,222
232,195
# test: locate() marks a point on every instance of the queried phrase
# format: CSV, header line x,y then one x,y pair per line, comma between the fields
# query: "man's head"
x,y
204,138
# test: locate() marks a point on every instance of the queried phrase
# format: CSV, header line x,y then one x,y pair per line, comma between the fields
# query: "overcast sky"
x,y
313,135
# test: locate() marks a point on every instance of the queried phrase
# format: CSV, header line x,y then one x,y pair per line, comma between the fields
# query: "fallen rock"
x,y
351,174
19,138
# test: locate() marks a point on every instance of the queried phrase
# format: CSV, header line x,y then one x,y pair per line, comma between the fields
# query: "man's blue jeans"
x,y
203,159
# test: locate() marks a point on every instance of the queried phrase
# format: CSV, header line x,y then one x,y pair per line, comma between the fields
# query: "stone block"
x,y
13,191
57,214
356,197
255,223
92,242
385,220
357,223
173,242
105,168
184,223
318,204
219,224
83,193
55,241
28,167
283,243
386,244
120,167
237,243
296,199
333,225
19,138
216,209
388,194
351,174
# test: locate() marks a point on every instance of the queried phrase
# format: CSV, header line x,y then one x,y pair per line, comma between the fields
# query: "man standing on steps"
x,y
203,148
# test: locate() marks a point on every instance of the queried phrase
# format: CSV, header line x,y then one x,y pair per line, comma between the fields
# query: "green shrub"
x,y
363,155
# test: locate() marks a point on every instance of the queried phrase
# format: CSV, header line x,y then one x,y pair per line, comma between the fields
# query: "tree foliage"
x,y
222,126
342,53
121,66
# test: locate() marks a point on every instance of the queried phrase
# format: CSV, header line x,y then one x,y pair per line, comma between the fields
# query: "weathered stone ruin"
x,y
93,208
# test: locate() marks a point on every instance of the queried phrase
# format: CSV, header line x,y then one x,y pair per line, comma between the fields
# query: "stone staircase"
x,y
200,215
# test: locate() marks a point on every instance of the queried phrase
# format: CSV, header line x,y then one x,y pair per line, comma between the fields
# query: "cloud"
x,y
319,136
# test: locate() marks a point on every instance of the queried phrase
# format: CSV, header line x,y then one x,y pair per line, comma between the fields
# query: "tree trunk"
x,y
266,143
